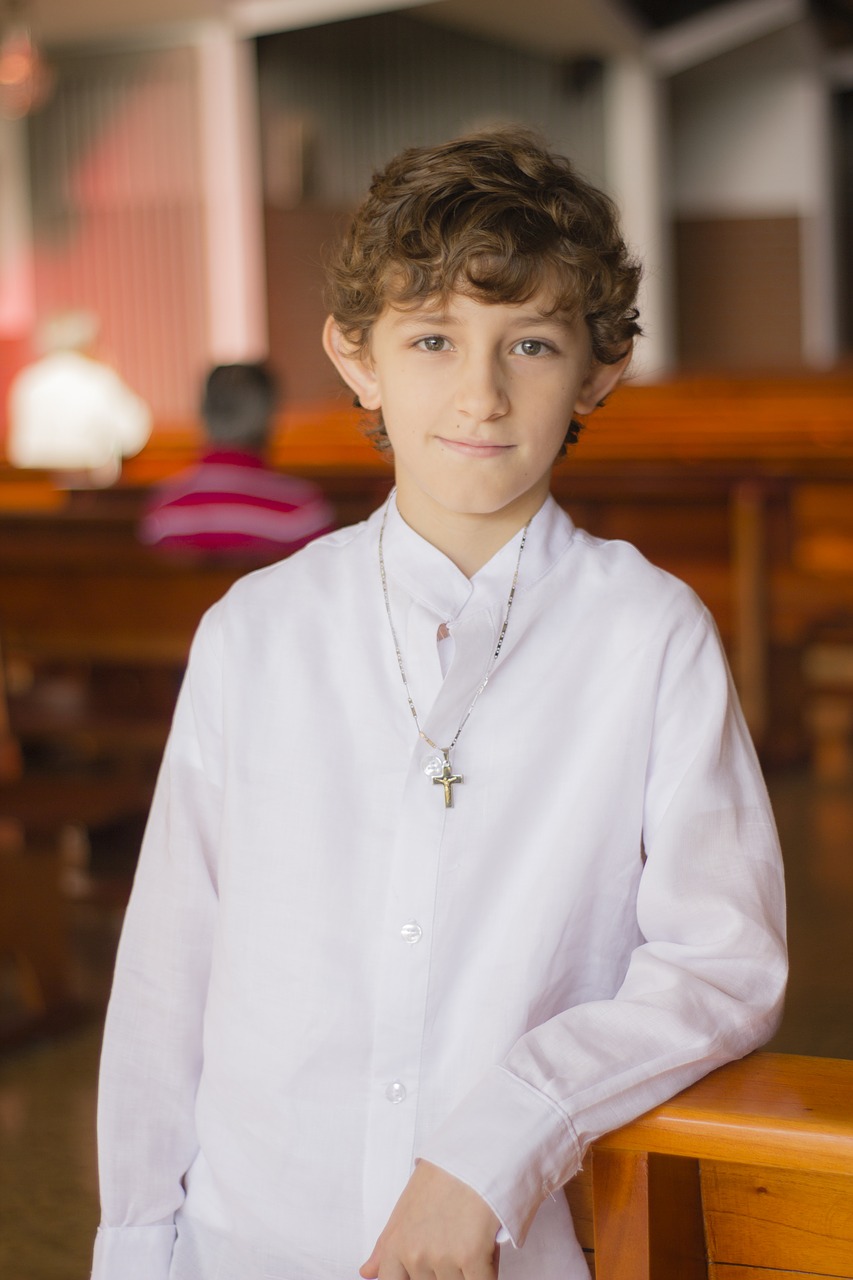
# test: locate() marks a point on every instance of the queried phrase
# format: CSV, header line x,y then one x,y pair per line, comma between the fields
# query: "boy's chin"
x,y
490,506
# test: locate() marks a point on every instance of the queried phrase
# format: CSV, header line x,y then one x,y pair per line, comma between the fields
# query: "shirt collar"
x,y
429,577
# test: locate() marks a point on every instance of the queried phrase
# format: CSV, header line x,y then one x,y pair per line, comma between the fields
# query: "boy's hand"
x,y
440,1230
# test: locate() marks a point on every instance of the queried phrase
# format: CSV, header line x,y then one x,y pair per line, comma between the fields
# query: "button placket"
x,y
403,961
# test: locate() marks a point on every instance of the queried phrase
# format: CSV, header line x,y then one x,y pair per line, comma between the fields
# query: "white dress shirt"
x,y
325,974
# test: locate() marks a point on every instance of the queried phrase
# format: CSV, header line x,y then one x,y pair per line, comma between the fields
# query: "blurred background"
x,y
189,158
173,169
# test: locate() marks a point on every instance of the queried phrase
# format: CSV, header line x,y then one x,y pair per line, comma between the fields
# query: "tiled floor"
x,y
48,1196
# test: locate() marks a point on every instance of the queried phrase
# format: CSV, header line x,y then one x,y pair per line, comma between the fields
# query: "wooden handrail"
x,y
747,1173
774,1109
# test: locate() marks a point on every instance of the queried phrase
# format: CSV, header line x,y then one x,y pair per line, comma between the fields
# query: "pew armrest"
x,y
747,1173
775,1109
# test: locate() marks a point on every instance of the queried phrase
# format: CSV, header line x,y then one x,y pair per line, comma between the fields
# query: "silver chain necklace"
x,y
441,771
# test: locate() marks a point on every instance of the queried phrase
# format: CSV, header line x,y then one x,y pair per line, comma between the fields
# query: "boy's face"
x,y
476,398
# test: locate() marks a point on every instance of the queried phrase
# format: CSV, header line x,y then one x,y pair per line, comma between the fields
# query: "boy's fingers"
x,y
440,1229
391,1268
484,1269
370,1270
386,1267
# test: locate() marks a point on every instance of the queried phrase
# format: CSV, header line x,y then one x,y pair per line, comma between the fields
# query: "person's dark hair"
x,y
495,215
237,404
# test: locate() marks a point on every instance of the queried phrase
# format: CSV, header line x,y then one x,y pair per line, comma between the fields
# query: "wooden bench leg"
x,y
647,1213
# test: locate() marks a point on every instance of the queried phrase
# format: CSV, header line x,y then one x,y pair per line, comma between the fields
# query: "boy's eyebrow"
x,y
409,315
443,316
542,317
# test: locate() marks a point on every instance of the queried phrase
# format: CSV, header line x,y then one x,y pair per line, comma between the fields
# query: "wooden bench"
x,y
96,628
33,934
743,488
747,1175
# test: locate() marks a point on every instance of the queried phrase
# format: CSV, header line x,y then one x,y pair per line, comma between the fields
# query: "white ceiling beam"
x,y
260,17
718,31
553,28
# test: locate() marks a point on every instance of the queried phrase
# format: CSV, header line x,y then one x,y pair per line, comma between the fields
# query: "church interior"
x,y
176,168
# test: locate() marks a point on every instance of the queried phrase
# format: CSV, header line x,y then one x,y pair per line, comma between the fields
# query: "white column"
x,y
635,168
17,288
231,169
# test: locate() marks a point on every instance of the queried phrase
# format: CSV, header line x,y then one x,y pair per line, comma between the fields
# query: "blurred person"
x,y
71,413
231,503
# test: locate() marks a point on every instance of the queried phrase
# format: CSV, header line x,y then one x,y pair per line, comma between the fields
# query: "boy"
x,y
460,854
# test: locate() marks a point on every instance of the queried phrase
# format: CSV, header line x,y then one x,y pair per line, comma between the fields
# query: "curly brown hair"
x,y
495,215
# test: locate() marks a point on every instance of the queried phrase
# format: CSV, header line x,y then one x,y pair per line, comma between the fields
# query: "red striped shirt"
x,y
231,504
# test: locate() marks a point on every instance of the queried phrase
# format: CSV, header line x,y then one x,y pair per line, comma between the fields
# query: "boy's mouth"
x,y
475,448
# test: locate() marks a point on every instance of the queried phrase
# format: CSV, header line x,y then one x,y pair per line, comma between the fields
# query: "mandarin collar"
x,y
429,577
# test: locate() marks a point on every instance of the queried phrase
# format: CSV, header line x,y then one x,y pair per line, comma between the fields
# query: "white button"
x,y
433,766
411,932
395,1091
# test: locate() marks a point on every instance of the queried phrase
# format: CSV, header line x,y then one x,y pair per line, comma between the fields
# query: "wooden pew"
x,y
747,1175
96,629
741,487
33,934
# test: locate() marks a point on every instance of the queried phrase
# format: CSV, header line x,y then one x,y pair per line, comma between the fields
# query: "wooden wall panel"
x,y
738,293
295,244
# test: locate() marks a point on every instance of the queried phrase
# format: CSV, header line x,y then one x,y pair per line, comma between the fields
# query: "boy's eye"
x,y
433,343
532,347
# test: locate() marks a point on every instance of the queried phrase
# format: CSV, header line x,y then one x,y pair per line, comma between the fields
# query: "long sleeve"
x,y
703,987
153,1039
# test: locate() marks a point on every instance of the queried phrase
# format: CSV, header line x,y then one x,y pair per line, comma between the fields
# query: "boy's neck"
x,y
468,539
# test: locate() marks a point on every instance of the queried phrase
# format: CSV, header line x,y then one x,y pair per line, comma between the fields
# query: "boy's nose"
x,y
481,394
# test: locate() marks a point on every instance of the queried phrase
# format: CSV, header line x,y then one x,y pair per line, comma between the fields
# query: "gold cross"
x,y
446,780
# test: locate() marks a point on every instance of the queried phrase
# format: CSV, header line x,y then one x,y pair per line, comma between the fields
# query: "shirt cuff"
x,y
510,1144
133,1253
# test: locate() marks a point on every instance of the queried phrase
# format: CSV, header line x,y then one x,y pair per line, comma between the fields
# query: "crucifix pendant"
x,y
446,779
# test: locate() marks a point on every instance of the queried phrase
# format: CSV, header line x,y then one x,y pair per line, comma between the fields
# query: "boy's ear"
x,y
356,370
599,382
